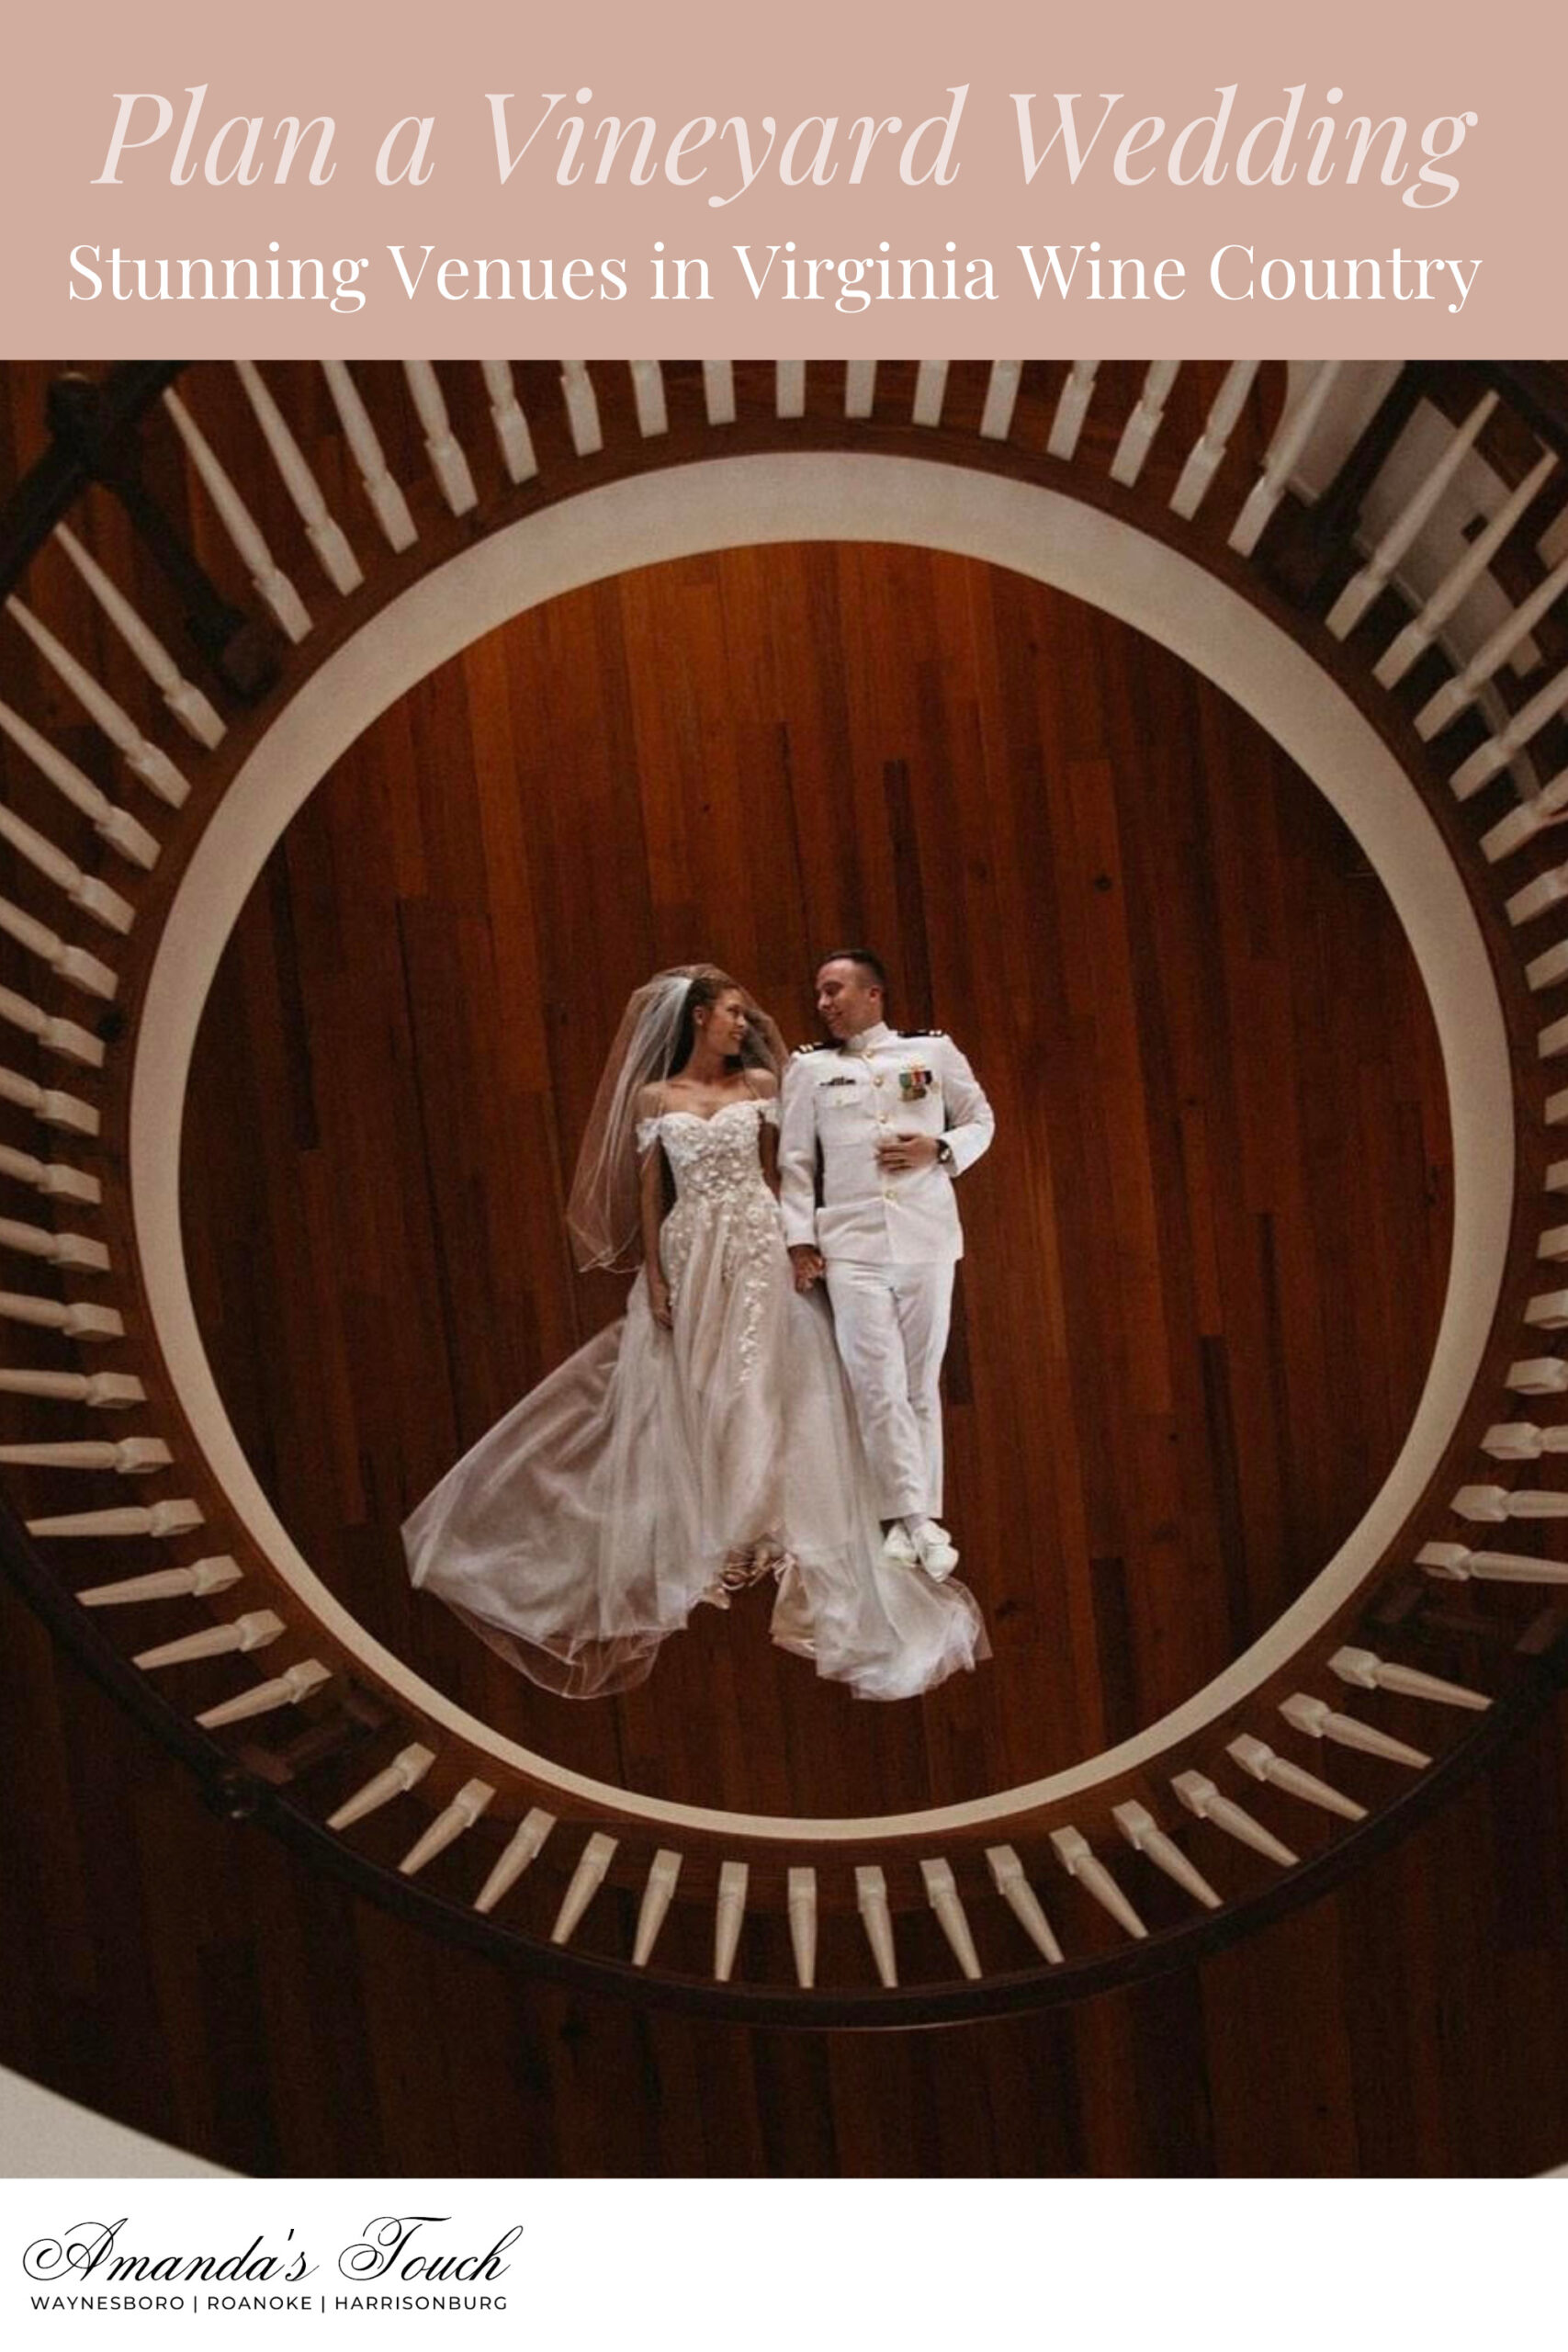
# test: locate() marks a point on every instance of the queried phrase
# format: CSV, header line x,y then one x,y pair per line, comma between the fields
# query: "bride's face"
x,y
723,1023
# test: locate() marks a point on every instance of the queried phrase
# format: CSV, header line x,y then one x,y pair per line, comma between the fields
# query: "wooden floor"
x,y
1205,1257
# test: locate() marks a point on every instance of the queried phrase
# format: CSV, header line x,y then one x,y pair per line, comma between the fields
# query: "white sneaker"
x,y
934,1549
899,1544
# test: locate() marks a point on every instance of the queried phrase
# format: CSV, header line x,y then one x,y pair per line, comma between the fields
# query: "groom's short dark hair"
x,y
865,957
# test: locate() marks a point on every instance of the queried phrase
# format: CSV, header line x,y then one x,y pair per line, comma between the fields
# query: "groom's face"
x,y
848,999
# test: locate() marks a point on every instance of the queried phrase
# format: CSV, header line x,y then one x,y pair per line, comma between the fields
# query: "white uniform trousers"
x,y
892,1324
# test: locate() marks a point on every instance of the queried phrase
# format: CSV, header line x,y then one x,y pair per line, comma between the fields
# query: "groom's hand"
x,y
909,1151
808,1264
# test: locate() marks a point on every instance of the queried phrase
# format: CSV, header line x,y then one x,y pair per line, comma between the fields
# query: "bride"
x,y
705,1440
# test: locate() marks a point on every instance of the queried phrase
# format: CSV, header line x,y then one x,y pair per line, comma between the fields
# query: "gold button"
x,y
876,1079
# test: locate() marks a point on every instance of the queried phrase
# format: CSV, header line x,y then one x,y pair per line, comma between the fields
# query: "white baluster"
x,y
1002,399
1451,591
789,387
255,1631
1539,1376
1527,722
192,1583
1556,1111
1200,1797
871,1902
1523,1440
1292,435
1545,970
1138,433
657,1896
586,1880
942,1893
144,760
102,1391
447,461
67,1038
185,702
1009,1878
1320,1721
525,1843
273,587
513,436
1449,701
1522,824
1549,1310
1145,1837
114,825
647,391
76,1320
48,1104
1072,407
729,1912
581,408
266,1698
1456,1564
50,1178
1076,1858
388,503
718,390
1553,1039
72,965
1557,1182
1547,889
1492,1505
93,897
77,1251
1365,1671
1367,585
131,1457
325,534
1553,1246
160,1519
801,1902
407,1768
471,1801
1208,451
860,389
931,390
1258,1759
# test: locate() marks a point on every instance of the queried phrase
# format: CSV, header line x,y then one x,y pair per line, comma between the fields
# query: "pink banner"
x,y
712,180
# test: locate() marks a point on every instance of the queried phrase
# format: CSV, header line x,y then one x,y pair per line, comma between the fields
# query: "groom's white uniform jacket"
x,y
838,1101
889,1236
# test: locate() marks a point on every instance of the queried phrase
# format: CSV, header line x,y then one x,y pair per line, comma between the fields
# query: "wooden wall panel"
x,y
1205,1257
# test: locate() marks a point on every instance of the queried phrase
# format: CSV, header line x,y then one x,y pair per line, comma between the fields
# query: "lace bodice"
x,y
720,1191
717,1156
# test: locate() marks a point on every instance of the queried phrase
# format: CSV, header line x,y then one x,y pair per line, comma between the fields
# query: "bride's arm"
x,y
650,1204
765,1086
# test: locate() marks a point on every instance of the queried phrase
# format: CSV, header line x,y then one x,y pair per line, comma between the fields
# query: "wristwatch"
x,y
944,1151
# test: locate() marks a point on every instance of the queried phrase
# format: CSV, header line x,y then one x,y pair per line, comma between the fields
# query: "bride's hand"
x,y
659,1301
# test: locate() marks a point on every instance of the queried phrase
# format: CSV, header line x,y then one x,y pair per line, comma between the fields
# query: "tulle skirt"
x,y
657,1469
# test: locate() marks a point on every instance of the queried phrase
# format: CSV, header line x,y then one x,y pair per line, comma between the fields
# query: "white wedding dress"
x,y
586,1526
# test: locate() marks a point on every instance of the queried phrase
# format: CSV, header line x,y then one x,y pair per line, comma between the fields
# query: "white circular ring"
x,y
1041,533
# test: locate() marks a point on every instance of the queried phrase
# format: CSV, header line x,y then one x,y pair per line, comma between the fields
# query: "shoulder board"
x,y
817,1045
922,1032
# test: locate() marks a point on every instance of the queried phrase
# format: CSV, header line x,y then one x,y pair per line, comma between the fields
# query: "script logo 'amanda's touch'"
x,y
92,2250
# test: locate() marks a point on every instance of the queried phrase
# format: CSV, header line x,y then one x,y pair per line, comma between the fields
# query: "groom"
x,y
875,1128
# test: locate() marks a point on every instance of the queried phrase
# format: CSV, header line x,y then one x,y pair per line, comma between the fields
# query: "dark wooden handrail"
x,y
45,495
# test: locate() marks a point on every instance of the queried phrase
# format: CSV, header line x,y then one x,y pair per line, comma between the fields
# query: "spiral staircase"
x,y
1400,530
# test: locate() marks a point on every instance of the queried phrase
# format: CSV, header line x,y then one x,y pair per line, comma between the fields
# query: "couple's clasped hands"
x,y
894,1154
